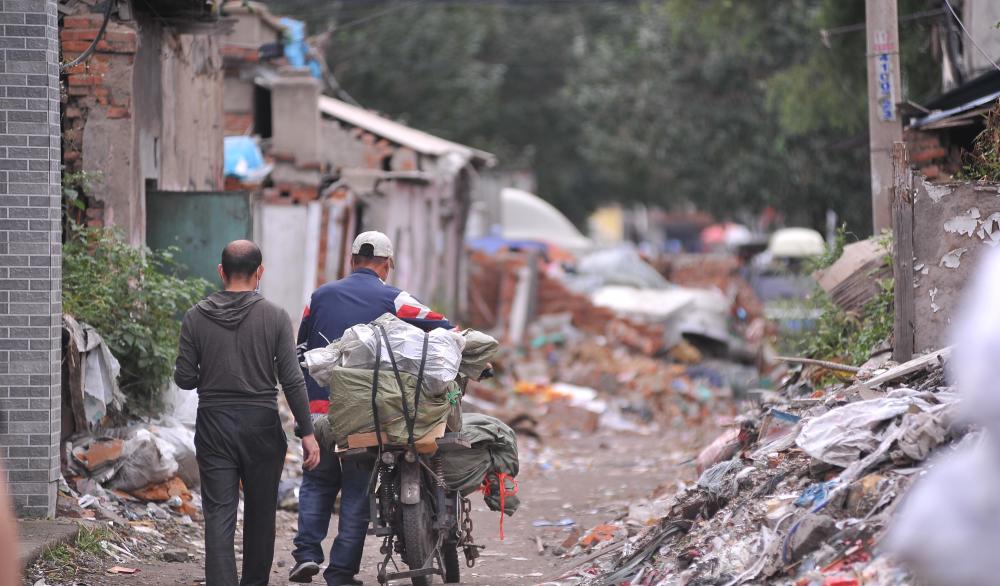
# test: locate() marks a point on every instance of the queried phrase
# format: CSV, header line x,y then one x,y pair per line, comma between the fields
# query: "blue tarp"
x,y
494,244
296,50
244,160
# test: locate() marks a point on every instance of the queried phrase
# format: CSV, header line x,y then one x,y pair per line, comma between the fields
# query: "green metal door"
x,y
200,224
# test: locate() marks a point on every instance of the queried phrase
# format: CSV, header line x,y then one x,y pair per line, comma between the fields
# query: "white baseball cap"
x,y
381,245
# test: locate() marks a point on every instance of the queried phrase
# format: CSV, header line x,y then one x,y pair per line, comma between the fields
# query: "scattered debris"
x,y
804,500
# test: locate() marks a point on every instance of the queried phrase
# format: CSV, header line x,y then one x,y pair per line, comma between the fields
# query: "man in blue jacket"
x,y
357,299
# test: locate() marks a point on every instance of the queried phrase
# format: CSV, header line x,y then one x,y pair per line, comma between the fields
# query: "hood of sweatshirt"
x,y
229,308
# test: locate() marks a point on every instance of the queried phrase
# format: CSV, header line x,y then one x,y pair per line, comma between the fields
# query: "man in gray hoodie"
x,y
235,347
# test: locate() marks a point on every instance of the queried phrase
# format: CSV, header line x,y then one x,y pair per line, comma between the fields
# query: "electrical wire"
x,y
97,39
968,34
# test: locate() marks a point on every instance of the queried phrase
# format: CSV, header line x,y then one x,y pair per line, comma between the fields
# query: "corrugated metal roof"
x,y
418,140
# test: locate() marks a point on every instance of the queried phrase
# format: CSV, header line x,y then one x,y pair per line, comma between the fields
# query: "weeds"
x,y
67,560
983,163
843,336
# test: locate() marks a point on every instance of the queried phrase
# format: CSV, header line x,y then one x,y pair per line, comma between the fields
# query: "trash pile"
x,y
800,490
606,341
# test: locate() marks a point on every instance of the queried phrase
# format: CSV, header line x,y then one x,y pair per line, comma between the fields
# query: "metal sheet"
x,y
417,140
200,224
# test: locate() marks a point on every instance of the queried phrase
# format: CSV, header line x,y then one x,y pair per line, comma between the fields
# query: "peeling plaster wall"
x,y
953,226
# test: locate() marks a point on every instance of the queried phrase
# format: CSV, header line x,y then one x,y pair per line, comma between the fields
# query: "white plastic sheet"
x,y
842,435
98,372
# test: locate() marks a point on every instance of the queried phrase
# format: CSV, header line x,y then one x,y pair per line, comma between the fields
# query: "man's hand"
x,y
310,452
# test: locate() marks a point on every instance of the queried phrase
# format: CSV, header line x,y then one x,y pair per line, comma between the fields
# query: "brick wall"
x,y
931,153
91,84
30,271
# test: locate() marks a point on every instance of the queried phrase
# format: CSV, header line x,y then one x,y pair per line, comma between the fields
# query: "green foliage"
x,y
844,336
66,561
74,185
832,253
983,163
134,297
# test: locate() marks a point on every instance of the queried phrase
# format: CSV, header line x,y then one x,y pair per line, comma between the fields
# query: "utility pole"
x,y
884,127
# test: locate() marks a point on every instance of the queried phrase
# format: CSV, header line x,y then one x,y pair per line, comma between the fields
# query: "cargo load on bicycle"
x,y
374,372
396,403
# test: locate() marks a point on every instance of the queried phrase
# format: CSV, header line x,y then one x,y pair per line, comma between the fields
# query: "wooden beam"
x,y
902,257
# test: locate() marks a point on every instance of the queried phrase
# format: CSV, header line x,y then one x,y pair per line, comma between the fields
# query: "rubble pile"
x,y
493,282
721,271
800,492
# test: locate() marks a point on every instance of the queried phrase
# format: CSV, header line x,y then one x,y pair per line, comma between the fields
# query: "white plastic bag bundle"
x,y
444,350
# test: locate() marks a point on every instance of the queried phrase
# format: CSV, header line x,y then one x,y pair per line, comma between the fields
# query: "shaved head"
x,y
240,259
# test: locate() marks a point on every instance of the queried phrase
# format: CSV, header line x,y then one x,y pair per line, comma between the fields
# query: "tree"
x,y
727,105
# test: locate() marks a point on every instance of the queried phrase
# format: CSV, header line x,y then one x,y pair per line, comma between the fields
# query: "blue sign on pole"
x,y
886,99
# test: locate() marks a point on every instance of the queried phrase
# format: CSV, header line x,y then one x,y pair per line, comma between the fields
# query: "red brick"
x,y
125,36
238,123
81,21
928,155
931,171
101,91
78,34
73,112
79,90
84,79
77,46
116,112
69,156
117,46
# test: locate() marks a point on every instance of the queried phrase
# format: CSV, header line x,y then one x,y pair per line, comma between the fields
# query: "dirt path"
x,y
590,480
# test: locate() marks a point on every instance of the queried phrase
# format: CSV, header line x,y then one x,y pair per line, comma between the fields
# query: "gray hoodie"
x,y
235,348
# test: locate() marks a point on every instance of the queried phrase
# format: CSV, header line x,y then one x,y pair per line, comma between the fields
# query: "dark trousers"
x,y
239,444
316,497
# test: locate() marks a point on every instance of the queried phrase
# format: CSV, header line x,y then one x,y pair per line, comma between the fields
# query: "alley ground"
x,y
590,480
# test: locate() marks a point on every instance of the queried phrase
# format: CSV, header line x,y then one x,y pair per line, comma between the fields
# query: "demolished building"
x,y
338,169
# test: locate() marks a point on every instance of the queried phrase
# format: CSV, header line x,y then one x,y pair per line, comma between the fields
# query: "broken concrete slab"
x,y
918,364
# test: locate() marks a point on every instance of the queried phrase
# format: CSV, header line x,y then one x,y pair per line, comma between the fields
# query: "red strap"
x,y
502,483
319,406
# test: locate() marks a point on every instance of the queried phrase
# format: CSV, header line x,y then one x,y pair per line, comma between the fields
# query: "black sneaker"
x,y
303,572
351,582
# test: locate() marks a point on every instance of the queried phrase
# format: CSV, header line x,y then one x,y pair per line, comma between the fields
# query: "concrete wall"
x,y
289,237
137,112
953,226
100,114
192,113
295,118
981,18
30,273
